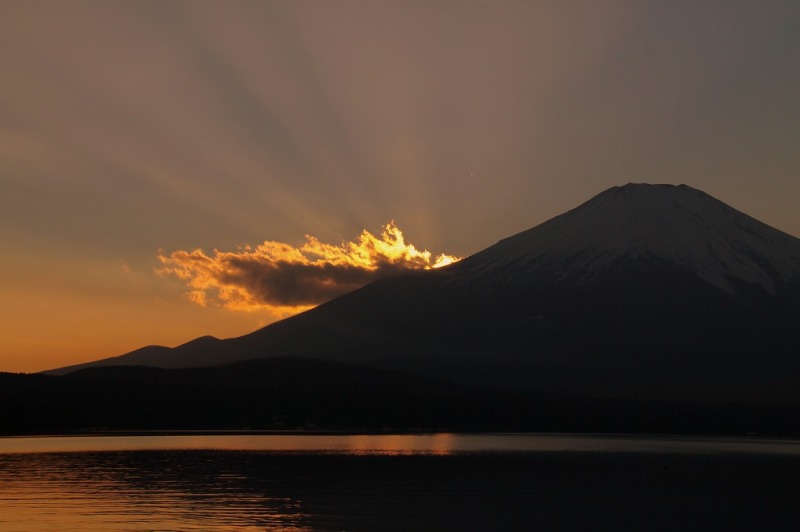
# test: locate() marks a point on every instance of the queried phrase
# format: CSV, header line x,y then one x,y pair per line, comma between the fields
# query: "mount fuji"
x,y
675,225
644,289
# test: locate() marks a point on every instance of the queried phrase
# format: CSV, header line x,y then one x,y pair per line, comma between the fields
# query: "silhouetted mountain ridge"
x,y
291,393
260,394
643,283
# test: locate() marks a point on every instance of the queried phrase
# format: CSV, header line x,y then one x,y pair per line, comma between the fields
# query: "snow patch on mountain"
x,y
678,224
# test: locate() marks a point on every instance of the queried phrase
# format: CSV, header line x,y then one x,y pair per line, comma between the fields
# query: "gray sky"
x,y
130,129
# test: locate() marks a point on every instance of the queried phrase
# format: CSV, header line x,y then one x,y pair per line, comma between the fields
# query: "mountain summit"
x,y
643,287
675,225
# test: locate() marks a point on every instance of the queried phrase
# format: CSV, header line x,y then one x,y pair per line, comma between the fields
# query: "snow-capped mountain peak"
x,y
677,224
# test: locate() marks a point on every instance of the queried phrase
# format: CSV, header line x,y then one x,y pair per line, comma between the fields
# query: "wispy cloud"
x,y
286,279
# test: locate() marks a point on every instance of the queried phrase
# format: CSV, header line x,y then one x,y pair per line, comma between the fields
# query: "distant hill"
x,y
276,394
644,291
304,394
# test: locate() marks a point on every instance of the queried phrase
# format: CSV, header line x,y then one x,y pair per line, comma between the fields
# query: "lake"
x,y
227,482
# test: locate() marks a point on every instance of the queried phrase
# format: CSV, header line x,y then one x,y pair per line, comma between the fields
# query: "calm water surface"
x,y
397,482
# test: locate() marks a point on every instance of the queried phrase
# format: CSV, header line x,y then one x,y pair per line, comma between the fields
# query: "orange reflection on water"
x,y
92,492
385,444
401,444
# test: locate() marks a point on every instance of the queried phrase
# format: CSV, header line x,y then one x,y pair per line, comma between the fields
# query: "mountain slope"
x,y
653,288
676,224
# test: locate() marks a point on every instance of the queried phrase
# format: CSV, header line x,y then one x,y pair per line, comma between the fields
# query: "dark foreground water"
x,y
436,482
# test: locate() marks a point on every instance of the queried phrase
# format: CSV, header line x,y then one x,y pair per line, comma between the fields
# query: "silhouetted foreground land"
x,y
288,393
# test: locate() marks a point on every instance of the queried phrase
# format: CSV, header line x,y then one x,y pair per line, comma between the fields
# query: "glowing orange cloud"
x,y
287,279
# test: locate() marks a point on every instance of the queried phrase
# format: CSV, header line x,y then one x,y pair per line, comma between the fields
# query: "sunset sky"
x,y
175,169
